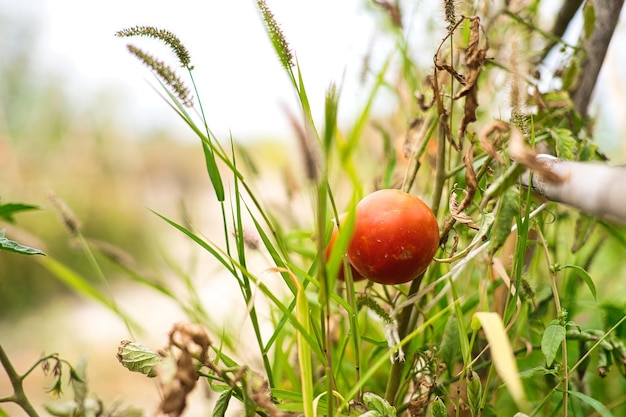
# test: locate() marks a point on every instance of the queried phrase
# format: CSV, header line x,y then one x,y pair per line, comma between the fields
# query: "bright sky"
x,y
241,82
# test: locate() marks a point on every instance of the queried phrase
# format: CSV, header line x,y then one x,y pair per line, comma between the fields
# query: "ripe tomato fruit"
x,y
329,249
395,237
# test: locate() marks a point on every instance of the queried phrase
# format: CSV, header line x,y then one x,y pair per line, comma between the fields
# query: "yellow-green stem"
x,y
397,368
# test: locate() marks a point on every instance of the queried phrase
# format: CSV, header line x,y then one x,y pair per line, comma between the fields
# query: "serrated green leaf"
x,y
508,208
438,408
585,225
222,403
589,18
138,358
565,143
9,209
592,402
551,342
449,348
12,246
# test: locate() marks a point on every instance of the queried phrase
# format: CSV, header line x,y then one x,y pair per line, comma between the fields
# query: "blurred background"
x,y
78,118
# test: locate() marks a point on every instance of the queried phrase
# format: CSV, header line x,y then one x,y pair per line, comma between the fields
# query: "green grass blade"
x,y
203,244
79,284
592,402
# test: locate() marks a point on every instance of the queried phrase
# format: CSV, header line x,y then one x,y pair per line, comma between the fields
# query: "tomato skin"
x,y
395,237
356,276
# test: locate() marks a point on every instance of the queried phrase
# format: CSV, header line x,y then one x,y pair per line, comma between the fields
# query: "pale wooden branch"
x,y
607,15
591,187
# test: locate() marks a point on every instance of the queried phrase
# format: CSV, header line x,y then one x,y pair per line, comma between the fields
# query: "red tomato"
x,y
340,274
395,237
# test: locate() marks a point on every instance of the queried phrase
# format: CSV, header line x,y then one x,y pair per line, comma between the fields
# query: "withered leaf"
x,y
491,145
458,214
474,57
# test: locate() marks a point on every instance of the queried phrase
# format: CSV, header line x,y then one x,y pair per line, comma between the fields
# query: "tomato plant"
x,y
395,237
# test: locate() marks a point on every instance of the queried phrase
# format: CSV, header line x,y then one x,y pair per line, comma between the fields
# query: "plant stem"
x,y
19,396
397,368
557,304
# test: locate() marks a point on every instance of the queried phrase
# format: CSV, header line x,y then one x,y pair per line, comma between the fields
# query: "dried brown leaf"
x,y
450,69
474,57
178,373
393,9
421,98
524,155
457,213
491,146
412,135
261,395
447,132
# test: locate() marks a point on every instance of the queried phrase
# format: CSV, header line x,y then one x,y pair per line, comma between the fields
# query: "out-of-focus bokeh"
x,y
79,119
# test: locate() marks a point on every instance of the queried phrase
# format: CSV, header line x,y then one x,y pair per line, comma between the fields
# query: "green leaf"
x,y
474,392
222,403
78,379
565,143
82,286
570,73
248,403
551,342
9,209
585,225
592,402
213,171
450,342
508,208
62,409
138,358
589,18
584,275
12,246
438,408
380,405
537,371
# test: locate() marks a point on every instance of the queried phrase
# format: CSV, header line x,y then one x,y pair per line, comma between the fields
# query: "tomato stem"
x,y
397,368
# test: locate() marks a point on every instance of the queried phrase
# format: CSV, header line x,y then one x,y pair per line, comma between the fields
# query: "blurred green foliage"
x,y
47,145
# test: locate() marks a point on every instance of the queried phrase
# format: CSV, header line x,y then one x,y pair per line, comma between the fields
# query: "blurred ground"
x,y
76,327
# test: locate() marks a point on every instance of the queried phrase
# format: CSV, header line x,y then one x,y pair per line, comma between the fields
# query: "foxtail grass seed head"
x,y
276,35
165,74
517,98
68,218
449,9
163,35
